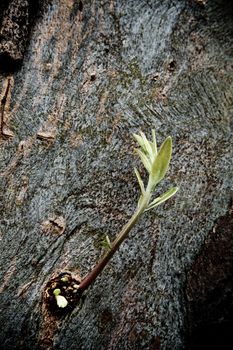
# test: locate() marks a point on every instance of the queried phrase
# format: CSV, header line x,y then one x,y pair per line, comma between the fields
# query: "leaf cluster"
x,y
156,163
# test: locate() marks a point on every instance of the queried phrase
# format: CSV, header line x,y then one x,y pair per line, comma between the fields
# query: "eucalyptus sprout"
x,y
156,163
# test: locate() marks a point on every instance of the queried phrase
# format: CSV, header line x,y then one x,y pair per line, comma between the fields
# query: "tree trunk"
x,y
93,73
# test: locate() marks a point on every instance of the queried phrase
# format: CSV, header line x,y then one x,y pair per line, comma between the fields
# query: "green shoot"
x,y
156,163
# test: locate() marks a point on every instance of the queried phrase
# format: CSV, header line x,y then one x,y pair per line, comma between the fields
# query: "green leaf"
x,y
157,201
148,147
161,162
140,141
154,144
139,180
61,301
108,242
144,160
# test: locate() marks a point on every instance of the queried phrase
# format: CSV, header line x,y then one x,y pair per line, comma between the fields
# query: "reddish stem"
x,y
94,273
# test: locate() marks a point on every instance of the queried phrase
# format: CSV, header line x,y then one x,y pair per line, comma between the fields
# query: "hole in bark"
x,y
7,64
172,65
77,7
80,6
68,286
93,77
155,77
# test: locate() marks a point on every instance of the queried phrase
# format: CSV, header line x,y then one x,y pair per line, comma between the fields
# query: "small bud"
x,y
61,301
64,279
57,291
76,286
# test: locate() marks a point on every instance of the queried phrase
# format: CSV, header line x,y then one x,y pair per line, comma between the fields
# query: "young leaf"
x,y
106,243
144,160
148,147
140,141
154,144
161,162
157,201
139,180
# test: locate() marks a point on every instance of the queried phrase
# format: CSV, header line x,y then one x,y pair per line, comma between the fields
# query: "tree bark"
x,y
93,73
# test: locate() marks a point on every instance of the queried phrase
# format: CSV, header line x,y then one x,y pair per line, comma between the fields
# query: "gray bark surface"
x,y
95,72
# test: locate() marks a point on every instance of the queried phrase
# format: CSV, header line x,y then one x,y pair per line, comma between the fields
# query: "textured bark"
x,y
93,73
